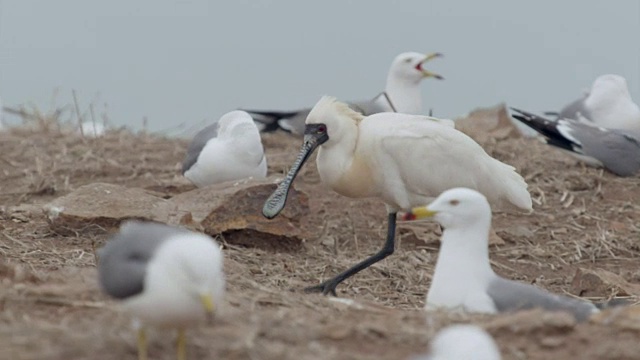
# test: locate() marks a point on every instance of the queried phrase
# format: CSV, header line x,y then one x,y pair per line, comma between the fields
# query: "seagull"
x,y
616,150
164,276
229,149
463,278
402,94
607,104
462,342
403,160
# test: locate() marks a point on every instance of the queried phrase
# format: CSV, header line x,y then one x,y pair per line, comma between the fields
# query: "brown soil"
x,y
51,307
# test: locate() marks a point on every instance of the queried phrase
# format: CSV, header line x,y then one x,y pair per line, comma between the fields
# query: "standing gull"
x,y
462,342
403,160
229,149
607,104
616,150
402,95
463,278
164,276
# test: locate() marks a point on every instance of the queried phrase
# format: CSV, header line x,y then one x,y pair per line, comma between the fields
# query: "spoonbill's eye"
x,y
321,129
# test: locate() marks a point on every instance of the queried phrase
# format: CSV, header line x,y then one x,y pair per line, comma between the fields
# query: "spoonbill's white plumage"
x,y
164,276
463,278
404,160
617,150
402,95
462,342
230,149
607,104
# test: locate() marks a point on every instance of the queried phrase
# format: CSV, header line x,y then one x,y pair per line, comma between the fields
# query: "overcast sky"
x,y
184,61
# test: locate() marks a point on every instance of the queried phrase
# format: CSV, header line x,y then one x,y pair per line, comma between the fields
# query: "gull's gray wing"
x,y
509,295
617,150
122,262
197,144
575,109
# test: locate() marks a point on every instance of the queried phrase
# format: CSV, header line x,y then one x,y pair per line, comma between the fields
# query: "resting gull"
x,y
403,160
463,278
229,149
614,149
164,276
402,94
607,104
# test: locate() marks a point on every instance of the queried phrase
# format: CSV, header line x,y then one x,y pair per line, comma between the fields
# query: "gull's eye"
x,y
407,60
321,129
454,202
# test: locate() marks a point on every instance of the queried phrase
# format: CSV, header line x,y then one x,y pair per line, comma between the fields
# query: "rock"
x,y
599,282
488,123
99,207
235,211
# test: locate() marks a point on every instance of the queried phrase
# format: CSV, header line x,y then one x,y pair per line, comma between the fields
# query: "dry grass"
x,y
52,308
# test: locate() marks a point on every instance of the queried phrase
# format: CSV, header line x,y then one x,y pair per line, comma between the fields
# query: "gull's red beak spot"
x,y
408,216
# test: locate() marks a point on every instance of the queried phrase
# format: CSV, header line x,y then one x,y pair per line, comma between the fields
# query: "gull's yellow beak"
x,y
209,306
419,213
427,73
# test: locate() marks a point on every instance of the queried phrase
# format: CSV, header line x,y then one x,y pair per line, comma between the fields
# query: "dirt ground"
x,y
51,307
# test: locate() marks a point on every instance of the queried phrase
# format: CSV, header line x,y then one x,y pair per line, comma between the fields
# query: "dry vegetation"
x,y
51,308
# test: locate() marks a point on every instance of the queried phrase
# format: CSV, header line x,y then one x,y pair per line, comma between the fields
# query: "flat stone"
x,y
100,207
235,211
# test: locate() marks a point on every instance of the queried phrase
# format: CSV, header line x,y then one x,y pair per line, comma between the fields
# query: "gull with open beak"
x,y
463,278
401,94
403,160
164,276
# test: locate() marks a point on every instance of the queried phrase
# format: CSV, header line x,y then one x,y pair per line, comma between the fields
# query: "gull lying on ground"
x,y
607,104
463,278
229,149
616,150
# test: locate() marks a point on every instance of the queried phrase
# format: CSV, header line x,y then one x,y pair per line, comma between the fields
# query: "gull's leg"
x,y
142,344
181,345
330,285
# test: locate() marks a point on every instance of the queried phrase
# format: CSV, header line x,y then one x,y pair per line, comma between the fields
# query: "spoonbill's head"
x,y
327,123
410,66
457,207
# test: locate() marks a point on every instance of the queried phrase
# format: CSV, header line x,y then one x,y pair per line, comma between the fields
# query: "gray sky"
x,y
184,61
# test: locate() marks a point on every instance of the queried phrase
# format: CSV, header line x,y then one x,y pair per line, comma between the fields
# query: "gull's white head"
x,y
409,67
457,342
455,208
235,123
192,263
610,85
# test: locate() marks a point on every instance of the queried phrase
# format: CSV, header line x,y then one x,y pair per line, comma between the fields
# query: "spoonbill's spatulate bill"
x,y
230,149
402,94
607,104
164,276
616,150
463,278
462,342
404,160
